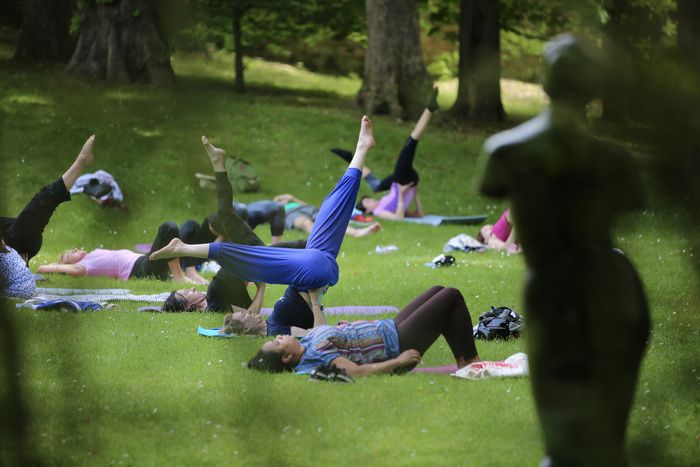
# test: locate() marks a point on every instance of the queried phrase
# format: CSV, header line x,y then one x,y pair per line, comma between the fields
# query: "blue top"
x,y
16,280
361,342
290,310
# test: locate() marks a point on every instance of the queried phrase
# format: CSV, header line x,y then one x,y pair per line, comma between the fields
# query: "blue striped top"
x,y
360,342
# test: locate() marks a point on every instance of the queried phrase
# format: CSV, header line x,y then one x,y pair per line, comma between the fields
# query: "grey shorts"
x,y
306,210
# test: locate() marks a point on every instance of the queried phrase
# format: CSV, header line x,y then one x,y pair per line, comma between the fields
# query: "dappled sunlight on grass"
x,y
13,102
147,133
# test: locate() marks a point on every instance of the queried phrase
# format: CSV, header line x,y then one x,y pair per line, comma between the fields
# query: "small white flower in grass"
x,y
286,429
235,453
431,382
423,430
509,390
518,398
297,431
155,410
209,364
319,429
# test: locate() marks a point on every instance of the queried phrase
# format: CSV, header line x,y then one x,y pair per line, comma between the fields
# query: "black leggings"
x,y
437,311
24,233
404,173
193,232
159,269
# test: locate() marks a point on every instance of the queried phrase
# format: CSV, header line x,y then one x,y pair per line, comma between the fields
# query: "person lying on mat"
x,y
301,216
313,267
501,235
403,182
383,346
121,264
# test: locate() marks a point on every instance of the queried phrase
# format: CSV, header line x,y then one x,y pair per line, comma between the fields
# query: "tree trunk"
x,y
479,83
237,17
395,80
615,105
44,36
688,40
119,43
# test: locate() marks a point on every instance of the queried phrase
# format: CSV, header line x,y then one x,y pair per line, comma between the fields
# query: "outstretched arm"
x,y
76,270
258,299
319,317
406,358
287,198
418,211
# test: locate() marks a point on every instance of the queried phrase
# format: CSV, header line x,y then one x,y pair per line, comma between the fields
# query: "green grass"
x,y
142,389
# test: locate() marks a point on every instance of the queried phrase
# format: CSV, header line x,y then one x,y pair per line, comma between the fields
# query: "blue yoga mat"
x,y
213,332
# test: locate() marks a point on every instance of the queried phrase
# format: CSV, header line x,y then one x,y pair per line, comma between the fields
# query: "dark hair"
x,y
174,303
269,361
480,237
359,205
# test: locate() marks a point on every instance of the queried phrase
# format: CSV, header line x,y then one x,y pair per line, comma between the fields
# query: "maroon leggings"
x,y
437,311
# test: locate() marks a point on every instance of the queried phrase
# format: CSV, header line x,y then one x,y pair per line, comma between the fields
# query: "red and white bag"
x,y
515,365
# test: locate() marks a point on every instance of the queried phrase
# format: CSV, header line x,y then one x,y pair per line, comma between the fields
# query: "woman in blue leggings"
x,y
311,269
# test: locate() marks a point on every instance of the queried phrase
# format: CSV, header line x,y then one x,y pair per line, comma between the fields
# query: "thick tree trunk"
x,y
237,17
614,98
479,83
689,31
44,36
119,43
395,81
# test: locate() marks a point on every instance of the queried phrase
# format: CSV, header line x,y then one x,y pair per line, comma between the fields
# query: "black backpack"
x,y
499,323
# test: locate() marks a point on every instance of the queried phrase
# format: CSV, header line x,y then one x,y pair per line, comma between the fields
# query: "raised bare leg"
x,y
177,248
216,155
365,142
85,158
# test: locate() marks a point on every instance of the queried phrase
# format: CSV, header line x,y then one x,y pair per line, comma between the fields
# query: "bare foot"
x,y
369,230
366,139
216,155
171,250
86,156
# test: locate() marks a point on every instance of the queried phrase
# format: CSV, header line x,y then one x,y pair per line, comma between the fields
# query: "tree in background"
x,y
279,29
479,88
395,79
688,40
45,31
119,42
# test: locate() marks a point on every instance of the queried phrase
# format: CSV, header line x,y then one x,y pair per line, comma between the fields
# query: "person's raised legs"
x,y
85,157
424,120
216,155
177,248
365,142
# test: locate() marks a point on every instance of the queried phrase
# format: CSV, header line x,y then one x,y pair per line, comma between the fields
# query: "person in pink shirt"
x,y
121,264
403,182
501,235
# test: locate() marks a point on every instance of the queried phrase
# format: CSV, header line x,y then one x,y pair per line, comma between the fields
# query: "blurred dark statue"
x,y
587,314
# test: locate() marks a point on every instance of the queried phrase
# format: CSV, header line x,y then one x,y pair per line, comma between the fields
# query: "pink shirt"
x,y
502,228
113,263
389,202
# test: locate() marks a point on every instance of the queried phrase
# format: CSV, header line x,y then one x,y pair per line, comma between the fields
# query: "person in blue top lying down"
x,y
383,346
311,268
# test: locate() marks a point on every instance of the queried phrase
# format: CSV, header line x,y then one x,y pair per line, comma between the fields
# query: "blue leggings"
x,y
309,268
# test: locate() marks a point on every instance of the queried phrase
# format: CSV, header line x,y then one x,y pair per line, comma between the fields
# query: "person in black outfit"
x,y
225,290
24,233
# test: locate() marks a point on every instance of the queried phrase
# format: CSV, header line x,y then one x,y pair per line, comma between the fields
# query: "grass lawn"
x,y
122,387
